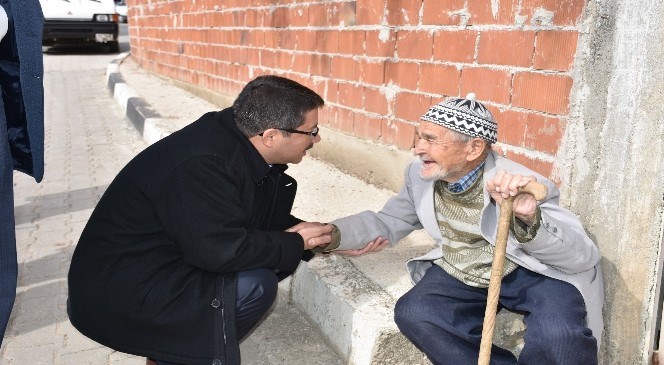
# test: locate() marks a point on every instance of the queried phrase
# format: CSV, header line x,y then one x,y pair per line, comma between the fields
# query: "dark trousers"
x,y
256,292
443,317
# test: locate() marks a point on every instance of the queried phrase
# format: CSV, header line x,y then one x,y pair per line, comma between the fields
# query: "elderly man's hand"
x,y
504,185
373,246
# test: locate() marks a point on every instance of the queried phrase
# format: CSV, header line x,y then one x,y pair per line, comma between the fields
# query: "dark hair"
x,y
273,102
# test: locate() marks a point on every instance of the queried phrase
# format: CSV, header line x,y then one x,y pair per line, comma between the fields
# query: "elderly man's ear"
x,y
477,147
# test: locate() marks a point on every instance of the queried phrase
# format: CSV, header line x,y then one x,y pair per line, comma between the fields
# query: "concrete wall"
x,y
577,87
615,169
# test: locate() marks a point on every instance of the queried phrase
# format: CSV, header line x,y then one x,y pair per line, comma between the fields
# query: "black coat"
x,y
153,272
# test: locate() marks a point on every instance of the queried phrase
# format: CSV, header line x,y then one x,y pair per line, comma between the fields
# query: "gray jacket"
x,y
561,249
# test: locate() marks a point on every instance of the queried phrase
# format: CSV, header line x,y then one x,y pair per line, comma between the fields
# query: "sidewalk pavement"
x,y
347,303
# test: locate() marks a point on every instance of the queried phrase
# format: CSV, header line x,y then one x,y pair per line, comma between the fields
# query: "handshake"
x,y
314,234
326,237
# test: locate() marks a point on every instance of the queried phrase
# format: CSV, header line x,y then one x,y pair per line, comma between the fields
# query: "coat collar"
x,y
257,165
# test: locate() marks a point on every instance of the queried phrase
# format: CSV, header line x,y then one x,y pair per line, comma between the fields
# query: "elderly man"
x,y
453,191
182,255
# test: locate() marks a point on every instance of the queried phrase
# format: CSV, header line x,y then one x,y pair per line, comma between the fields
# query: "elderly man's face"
x,y
443,156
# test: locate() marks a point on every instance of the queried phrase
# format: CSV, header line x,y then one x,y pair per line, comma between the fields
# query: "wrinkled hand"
x,y
374,246
505,185
314,234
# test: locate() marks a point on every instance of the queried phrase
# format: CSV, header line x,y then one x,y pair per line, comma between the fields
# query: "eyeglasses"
x,y
312,134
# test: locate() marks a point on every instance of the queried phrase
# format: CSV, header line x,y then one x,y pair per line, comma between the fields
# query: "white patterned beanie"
x,y
466,116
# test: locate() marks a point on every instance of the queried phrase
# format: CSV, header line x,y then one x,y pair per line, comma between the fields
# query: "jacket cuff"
x,y
523,232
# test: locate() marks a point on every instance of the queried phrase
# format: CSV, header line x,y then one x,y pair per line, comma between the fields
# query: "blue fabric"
x,y
8,265
21,128
256,292
443,318
465,182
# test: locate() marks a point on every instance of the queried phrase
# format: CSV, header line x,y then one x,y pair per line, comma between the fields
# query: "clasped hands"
x,y
316,234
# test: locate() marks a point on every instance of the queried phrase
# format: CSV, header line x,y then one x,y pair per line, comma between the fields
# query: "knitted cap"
x,y
465,116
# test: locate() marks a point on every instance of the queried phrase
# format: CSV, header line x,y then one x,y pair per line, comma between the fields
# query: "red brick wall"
x,y
380,64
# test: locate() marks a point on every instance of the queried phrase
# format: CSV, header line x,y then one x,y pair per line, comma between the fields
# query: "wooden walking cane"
x,y
538,191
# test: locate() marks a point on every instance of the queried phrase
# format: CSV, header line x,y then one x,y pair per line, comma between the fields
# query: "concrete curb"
x,y
149,123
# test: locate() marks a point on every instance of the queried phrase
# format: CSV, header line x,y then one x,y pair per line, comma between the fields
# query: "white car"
x,y
121,9
80,22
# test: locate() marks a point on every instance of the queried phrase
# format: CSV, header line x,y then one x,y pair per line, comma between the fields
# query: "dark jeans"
x,y
443,317
256,291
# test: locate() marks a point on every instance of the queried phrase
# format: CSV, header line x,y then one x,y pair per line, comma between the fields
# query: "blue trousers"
x,y
256,292
443,317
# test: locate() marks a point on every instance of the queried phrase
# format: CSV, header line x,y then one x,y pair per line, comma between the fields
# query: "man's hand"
x,y
314,234
373,246
505,185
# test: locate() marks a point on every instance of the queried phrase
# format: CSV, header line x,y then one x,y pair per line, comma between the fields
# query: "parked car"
x,y
80,22
121,9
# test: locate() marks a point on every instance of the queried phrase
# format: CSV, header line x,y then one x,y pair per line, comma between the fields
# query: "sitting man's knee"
x,y
406,312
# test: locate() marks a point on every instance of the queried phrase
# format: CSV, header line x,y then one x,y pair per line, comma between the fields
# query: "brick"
x,y
513,48
287,40
555,50
565,12
280,18
268,59
380,43
301,63
284,60
403,12
319,15
327,41
350,95
306,41
320,65
345,120
299,16
343,14
375,101
540,92
411,106
344,68
351,42
402,74
492,12
530,130
253,18
326,115
487,84
414,45
454,46
370,12
367,126
372,72
443,12
439,79
399,134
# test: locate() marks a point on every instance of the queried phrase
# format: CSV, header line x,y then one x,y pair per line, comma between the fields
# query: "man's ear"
x,y
476,148
269,137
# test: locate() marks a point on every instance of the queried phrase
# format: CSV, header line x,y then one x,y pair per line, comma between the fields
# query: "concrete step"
x,y
286,336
